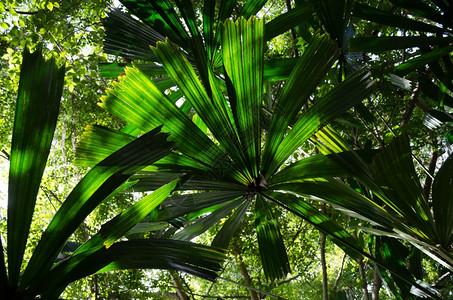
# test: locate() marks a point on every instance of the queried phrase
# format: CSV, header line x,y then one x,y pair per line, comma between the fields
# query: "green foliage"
x,y
40,88
232,155
247,122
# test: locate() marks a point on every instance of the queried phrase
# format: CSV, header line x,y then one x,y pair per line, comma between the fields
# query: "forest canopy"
x,y
178,149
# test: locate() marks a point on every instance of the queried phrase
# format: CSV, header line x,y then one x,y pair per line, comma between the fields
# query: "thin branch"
x,y
251,288
20,12
429,180
289,279
337,280
223,270
44,189
5,154
363,279
221,296
49,199
243,269
410,106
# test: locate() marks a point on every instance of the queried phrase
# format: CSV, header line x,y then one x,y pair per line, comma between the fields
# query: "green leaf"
x,y
311,167
340,236
438,69
380,44
422,9
150,180
145,227
337,193
442,202
113,70
435,93
128,37
278,68
393,169
319,220
202,224
345,95
242,49
191,258
180,205
287,20
382,17
230,227
186,10
208,26
215,114
310,69
120,225
161,16
251,7
137,101
37,106
116,228
395,254
352,163
335,16
197,47
99,183
422,60
99,142
270,242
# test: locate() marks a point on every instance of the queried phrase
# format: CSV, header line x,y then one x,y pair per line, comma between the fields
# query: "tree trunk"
x,y
337,280
410,106
322,252
95,287
244,272
177,283
377,284
363,279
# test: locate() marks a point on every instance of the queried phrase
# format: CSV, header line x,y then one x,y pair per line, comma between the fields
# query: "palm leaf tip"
x,y
271,247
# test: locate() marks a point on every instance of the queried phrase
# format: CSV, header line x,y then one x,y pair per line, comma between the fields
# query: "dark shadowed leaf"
x,y
270,242
443,202
98,184
37,106
194,259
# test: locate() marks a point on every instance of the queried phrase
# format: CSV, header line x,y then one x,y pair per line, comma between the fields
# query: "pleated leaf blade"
x,y
98,183
37,106
183,256
242,49
351,91
271,247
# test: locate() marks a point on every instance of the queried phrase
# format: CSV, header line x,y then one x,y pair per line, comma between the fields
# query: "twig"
x,y
20,12
410,106
337,280
289,279
5,154
49,198
429,180
252,288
